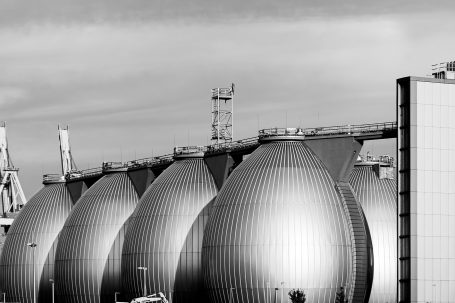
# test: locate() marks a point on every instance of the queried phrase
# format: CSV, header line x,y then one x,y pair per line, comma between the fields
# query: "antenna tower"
x,y
222,115
11,192
68,164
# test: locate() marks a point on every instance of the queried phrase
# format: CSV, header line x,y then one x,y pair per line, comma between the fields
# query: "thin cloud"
x,y
20,12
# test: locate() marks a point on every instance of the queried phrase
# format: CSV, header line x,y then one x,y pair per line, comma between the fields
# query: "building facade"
x,y
426,194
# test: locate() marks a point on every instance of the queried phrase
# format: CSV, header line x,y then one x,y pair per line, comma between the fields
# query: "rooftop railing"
x,y
444,66
185,150
383,159
53,178
146,162
330,130
233,146
288,131
222,93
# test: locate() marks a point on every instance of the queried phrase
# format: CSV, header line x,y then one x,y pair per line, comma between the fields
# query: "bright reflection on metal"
x,y
88,257
278,223
166,233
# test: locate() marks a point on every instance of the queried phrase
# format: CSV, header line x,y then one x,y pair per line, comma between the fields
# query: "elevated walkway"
x,y
239,148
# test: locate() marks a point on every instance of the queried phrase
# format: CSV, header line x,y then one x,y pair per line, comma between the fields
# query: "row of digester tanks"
x,y
278,222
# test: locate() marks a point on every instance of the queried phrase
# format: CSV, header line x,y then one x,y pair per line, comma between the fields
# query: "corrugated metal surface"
x,y
278,223
40,221
378,199
362,249
166,233
89,241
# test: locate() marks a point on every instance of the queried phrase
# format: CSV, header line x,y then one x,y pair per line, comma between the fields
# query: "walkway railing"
x,y
330,130
184,150
244,144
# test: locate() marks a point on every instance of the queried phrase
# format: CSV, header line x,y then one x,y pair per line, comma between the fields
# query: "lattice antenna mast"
x,y
11,192
68,164
222,115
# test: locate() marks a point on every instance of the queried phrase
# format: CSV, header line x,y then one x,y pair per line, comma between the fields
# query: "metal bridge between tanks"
x,y
360,132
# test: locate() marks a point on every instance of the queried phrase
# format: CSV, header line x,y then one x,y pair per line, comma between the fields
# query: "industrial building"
x,y
426,197
242,221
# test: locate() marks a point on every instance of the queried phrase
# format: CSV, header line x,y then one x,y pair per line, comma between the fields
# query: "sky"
x,y
132,78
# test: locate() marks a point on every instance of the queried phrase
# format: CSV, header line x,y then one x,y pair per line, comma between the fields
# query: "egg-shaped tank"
x,y
88,256
279,223
375,186
40,222
166,233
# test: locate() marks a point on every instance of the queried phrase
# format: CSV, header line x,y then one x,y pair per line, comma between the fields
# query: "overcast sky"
x,y
133,77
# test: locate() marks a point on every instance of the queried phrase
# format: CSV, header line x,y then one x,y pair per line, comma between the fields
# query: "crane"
x,y
11,193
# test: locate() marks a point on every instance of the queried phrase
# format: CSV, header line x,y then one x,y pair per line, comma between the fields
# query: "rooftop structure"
x,y
222,115
445,70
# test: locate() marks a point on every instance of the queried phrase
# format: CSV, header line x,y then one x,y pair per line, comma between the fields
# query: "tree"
x,y
341,296
297,295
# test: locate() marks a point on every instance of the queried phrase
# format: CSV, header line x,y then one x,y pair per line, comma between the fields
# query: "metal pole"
x,y
34,277
218,116
282,292
3,204
13,194
145,284
232,113
432,292
143,268
52,285
276,295
33,245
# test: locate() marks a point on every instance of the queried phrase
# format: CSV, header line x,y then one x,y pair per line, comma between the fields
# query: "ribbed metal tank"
x,y
88,258
40,221
375,187
278,223
167,230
